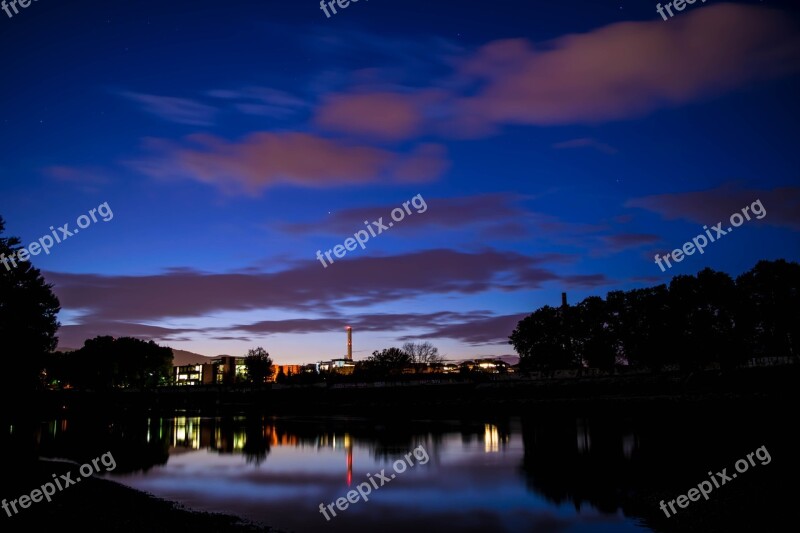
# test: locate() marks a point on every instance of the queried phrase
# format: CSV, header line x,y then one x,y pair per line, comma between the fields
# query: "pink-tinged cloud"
x,y
87,179
782,205
478,331
82,176
74,335
383,115
629,69
362,322
473,327
263,160
342,288
426,162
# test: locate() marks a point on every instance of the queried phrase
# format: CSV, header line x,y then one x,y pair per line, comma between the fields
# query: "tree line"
x,y
412,356
692,322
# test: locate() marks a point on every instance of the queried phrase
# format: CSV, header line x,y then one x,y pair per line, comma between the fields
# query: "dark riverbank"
x,y
646,440
686,425
97,504
442,397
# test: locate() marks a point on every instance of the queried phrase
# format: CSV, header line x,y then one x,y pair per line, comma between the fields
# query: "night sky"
x,y
557,146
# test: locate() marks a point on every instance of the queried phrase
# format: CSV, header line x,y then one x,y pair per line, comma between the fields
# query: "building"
x,y
487,366
228,369
287,370
225,370
344,365
188,374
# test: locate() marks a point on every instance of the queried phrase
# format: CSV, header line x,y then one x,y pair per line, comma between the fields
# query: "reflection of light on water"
x,y
239,440
584,438
628,445
151,430
187,432
348,445
491,438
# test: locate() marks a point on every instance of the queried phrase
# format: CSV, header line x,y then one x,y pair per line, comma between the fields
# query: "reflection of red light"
x,y
349,465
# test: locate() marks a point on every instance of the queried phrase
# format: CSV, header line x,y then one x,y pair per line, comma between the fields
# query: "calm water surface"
x,y
467,475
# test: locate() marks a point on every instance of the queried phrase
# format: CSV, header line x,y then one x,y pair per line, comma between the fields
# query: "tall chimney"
x,y
349,343
564,300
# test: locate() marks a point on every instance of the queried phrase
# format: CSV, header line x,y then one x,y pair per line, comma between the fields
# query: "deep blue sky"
x,y
558,147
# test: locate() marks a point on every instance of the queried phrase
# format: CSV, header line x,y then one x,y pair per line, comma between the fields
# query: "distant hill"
x,y
183,357
180,357
510,359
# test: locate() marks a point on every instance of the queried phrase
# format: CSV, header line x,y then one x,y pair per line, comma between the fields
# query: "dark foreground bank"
x,y
97,504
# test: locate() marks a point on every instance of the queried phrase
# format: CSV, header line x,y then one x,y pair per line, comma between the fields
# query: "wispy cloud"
x,y
87,179
625,241
586,142
172,109
711,206
262,101
360,282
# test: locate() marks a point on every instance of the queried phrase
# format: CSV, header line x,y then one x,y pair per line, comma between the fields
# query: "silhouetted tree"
x,y
770,308
595,341
695,321
259,365
28,310
702,310
387,361
105,362
422,354
644,329
543,340
256,445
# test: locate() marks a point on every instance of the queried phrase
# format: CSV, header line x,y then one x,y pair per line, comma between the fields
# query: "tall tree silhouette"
x,y
384,362
770,307
28,324
696,321
259,365
543,340
422,354
106,362
702,312
595,340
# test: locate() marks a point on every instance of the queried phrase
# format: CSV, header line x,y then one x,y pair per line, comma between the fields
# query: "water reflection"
x,y
506,474
493,438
